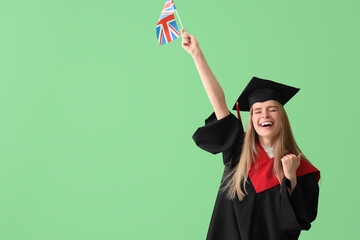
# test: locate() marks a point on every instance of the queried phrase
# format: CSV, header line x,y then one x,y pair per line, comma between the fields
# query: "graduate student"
x,y
269,190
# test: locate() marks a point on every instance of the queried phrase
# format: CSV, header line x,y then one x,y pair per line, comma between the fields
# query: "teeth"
x,y
266,124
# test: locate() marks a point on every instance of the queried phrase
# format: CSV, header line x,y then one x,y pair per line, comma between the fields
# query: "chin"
x,y
270,135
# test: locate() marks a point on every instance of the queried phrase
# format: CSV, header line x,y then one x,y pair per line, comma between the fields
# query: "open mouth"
x,y
266,124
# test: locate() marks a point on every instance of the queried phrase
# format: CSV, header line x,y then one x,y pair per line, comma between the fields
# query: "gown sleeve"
x,y
299,209
218,135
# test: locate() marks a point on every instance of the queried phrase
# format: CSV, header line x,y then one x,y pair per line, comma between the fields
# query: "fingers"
x,y
291,158
288,156
189,43
184,33
186,42
185,37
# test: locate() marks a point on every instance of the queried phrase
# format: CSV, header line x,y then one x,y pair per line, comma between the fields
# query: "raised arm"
x,y
211,85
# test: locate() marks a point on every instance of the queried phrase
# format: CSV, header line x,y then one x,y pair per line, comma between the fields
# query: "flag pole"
x,y
179,19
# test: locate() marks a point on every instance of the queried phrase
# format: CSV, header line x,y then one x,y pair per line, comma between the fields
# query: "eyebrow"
x,y
259,108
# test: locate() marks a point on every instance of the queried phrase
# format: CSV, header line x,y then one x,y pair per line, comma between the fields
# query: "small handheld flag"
x,y
166,28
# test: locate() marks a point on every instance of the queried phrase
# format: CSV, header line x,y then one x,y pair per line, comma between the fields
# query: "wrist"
x,y
197,54
291,175
291,178
293,182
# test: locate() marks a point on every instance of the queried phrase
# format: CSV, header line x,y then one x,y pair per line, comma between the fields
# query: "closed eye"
x,y
273,109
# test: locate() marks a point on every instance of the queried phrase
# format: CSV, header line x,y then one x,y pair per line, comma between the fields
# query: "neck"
x,y
268,142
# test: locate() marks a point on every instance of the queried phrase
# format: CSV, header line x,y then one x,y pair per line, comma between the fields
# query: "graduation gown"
x,y
267,212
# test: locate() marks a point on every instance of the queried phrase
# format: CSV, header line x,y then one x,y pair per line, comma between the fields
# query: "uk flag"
x,y
166,28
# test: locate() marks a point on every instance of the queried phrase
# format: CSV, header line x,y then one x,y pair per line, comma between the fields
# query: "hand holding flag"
x,y
189,43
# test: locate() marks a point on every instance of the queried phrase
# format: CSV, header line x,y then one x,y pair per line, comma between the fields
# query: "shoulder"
x,y
306,168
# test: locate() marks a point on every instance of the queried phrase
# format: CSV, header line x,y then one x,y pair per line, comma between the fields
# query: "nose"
x,y
264,114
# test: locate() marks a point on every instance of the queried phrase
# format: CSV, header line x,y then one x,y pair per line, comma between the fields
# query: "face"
x,y
266,120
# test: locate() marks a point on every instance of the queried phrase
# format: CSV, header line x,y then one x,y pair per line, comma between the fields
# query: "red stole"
x,y
261,173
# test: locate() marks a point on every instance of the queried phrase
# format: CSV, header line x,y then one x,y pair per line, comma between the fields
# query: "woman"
x,y
269,190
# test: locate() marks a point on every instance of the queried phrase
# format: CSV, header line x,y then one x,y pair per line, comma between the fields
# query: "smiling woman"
x,y
269,189
266,121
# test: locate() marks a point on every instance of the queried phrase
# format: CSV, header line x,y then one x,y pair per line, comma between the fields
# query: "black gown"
x,y
269,214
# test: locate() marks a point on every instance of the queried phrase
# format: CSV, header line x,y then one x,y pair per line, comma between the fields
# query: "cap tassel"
x,y
238,111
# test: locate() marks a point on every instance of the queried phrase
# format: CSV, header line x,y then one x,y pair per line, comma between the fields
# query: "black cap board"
x,y
261,90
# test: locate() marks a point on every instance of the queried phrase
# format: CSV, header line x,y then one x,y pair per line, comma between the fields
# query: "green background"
x,y
96,118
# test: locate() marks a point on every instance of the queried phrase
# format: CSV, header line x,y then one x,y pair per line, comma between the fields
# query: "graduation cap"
x,y
261,90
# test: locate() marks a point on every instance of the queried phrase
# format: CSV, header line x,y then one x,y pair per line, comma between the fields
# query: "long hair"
x,y
236,181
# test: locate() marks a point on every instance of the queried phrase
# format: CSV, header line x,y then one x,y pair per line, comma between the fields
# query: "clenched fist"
x,y
189,43
290,163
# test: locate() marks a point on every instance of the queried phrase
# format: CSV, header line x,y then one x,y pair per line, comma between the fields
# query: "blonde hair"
x,y
284,143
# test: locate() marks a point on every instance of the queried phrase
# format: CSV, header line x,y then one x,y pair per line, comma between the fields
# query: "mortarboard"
x,y
261,90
